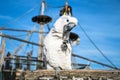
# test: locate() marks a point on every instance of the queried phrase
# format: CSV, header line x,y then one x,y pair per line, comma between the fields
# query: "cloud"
x,y
5,17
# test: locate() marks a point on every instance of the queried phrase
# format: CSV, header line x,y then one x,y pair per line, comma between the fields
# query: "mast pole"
x,y
41,19
66,3
2,52
41,36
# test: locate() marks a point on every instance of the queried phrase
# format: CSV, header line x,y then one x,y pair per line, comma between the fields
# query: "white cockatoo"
x,y
57,44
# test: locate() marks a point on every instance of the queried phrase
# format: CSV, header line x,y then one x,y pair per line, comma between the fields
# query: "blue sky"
x,y
99,18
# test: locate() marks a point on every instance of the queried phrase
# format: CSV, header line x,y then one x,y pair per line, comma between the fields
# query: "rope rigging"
x,y
20,30
21,45
21,40
54,6
21,35
94,61
72,54
96,46
113,66
66,10
18,18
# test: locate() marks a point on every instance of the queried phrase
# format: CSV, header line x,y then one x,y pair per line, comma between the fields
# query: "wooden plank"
x,y
70,74
21,40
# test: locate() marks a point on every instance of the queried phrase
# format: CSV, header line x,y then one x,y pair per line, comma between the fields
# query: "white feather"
x,y
52,45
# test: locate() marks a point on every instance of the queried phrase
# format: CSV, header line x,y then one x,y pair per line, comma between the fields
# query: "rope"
x,y
27,38
21,40
27,45
94,61
96,46
21,35
54,6
20,30
29,11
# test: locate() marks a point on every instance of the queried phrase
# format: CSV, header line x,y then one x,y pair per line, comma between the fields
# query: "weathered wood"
x,y
75,74
23,59
21,40
20,30
2,53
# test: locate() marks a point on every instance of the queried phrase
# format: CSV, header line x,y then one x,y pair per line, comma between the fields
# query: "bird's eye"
x,y
67,20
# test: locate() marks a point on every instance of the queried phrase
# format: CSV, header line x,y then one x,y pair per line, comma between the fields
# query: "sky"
x,y
99,18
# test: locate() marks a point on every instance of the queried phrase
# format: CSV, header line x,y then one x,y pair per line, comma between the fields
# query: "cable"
x,y
27,45
20,16
27,38
75,55
54,6
19,35
48,27
96,46
12,44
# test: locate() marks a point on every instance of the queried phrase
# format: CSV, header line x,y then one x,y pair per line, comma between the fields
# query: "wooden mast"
x,y
2,52
41,19
41,36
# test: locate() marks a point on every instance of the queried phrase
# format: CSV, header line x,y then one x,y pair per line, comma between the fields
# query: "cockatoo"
x,y
57,44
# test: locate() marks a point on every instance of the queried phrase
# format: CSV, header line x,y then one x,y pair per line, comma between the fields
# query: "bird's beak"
x,y
69,27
